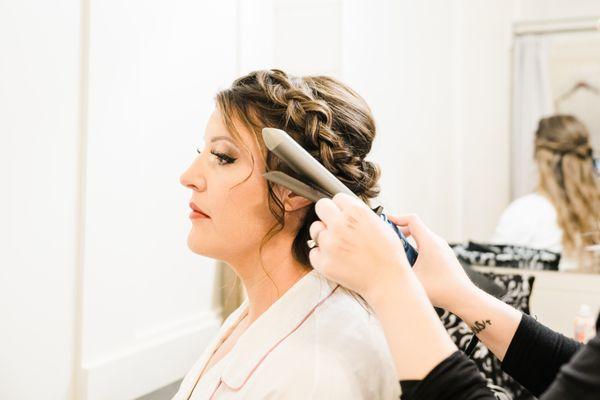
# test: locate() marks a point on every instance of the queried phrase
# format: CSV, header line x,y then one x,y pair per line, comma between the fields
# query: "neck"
x,y
268,277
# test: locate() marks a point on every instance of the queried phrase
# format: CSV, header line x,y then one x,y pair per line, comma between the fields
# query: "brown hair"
x,y
564,158
327,118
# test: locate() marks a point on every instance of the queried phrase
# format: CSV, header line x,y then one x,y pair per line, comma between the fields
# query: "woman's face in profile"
x,y
230,191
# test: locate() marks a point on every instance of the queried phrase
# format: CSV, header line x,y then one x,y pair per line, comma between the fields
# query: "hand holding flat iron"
x,y
359,251
354,246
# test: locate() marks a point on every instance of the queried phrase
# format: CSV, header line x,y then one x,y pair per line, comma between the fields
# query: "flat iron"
x,y
322,183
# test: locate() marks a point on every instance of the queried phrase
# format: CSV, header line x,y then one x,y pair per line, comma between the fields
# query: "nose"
x,y
193,178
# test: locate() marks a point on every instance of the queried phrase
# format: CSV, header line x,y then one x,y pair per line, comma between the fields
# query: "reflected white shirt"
x,y
531,221
315,342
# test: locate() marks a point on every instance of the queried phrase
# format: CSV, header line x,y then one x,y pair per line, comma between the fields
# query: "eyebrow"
x,y
217,138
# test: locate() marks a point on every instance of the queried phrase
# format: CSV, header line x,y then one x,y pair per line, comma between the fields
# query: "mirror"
x,y
555,71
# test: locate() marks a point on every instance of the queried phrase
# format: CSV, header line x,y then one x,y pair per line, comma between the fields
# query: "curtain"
x,y
531,100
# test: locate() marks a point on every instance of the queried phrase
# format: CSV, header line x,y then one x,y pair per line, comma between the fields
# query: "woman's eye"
x,y
223,158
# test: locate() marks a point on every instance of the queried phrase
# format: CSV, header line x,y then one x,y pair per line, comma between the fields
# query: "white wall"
x,y
39,89
404,63
154,68
100,297
485,65
423,67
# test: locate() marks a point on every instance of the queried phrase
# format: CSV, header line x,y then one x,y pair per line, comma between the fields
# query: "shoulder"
x,y
340,352
324,371
346,339
527,211
349,315
531,203
529,221
321,374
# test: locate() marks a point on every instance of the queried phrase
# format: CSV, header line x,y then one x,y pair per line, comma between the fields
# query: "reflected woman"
x,y
298,335
563,214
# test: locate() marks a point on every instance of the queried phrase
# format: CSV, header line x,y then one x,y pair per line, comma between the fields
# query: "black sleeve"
x,y
455,378
580,378
536,354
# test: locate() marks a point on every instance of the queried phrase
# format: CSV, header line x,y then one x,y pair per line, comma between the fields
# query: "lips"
x,y
197,209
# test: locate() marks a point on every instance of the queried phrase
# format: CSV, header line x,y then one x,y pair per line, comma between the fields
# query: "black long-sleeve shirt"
x,y
545,362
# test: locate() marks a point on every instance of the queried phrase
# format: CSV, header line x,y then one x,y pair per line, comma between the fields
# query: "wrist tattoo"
x,y
478,326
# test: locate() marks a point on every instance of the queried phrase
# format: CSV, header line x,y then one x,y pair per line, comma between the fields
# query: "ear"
x,y
292,202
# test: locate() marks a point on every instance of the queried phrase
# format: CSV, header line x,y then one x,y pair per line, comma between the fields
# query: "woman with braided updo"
x,y
298,335
563,215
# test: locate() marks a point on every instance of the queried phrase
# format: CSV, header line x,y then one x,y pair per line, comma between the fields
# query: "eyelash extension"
x,y
223,157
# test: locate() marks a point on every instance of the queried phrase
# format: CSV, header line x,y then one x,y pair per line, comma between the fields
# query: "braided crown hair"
x,y
564,158
327,118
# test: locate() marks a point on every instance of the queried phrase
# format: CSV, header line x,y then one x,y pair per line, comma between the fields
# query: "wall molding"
x,y
156,360
553,26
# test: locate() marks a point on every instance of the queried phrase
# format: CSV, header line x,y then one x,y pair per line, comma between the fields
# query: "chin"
x,y
198,245
222,247
205,247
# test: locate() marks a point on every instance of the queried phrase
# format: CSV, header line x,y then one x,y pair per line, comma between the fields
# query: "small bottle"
x,y
584,324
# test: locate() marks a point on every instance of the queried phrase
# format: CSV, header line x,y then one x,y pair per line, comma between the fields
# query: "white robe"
x,y
315,342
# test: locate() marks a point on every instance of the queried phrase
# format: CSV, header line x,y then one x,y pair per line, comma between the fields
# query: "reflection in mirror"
x,y
555,136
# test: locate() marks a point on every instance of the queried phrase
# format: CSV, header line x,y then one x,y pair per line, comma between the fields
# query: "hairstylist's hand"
x,y
358,250
355,247
437,268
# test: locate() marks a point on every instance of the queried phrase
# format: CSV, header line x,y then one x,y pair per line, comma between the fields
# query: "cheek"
x,y
247,207
241,216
